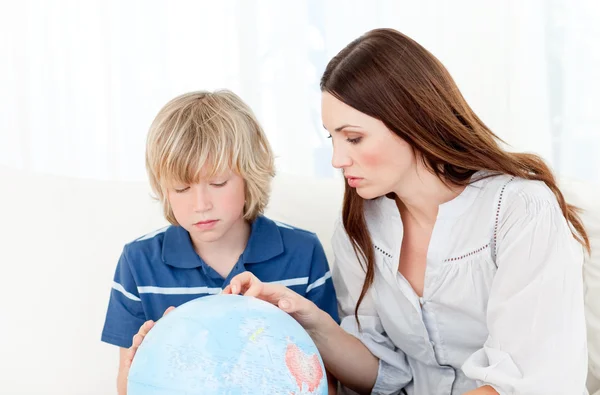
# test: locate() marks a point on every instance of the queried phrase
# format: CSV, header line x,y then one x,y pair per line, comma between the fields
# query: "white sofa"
x,y
61,239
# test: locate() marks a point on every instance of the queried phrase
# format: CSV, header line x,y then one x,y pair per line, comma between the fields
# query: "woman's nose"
x,y
340,159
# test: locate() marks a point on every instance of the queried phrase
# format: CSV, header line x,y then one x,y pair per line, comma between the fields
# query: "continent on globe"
x,y
304,368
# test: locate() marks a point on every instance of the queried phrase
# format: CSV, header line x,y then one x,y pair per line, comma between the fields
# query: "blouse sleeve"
x,y
348,276
535,312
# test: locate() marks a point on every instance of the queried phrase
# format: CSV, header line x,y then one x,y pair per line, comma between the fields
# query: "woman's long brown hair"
x,y
390,77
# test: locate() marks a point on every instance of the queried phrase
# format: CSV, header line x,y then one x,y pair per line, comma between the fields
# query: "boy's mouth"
x,y
206,224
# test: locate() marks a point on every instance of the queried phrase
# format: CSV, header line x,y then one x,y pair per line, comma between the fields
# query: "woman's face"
x,y
374,159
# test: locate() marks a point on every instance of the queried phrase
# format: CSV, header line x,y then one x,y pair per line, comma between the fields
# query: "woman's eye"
x,y
355,140
329,136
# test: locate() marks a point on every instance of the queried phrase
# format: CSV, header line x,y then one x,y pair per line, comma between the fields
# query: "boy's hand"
x,y
139,337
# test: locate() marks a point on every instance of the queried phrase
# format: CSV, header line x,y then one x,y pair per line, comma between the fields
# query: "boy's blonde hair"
x,y
203,134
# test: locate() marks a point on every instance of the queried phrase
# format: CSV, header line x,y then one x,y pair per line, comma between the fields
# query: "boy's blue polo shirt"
x,y
162,269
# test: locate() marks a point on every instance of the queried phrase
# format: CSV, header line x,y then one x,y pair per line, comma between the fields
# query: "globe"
x,y
227,344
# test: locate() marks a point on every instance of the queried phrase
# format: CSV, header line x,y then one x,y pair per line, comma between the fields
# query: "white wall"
x,y
61,240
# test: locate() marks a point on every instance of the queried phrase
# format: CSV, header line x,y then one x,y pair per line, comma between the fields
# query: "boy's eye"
x,y
218,185
181,190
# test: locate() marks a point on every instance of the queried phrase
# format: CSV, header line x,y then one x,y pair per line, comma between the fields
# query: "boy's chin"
x,y
205,236
208,236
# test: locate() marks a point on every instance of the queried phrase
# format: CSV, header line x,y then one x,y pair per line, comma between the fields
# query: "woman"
x,y
457,263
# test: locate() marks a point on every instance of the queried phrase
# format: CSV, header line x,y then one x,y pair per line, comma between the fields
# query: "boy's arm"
x,y
123,372
124,316
125,313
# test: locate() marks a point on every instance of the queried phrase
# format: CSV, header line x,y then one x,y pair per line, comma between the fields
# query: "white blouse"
x,y
502,303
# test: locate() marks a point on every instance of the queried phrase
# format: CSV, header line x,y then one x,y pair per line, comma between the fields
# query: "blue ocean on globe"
x,y
227,345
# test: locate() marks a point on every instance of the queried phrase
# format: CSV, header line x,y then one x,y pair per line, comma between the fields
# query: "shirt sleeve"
x,y
394,372
125,314
535,313
320,286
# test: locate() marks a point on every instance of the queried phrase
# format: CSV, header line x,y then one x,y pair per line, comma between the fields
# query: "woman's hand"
x,y
301,309
344,356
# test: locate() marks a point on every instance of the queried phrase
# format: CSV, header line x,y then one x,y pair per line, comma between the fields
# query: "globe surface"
x,y
227,344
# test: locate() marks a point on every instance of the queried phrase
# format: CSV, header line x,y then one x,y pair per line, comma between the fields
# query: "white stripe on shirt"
x,y
282,225
214,290
318,282
290,282
178,290
152,234
118,287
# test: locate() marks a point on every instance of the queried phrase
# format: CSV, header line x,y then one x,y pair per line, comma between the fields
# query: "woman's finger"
x,y
277,294
285,304
249,285
241,283
227,290
255,289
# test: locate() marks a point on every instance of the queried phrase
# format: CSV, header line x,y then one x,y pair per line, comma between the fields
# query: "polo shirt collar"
x,y
178,250
265,242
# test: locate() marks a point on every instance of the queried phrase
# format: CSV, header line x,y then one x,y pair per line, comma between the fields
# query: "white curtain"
x,y
82,80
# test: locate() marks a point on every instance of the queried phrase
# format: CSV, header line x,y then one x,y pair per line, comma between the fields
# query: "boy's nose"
x,y
202,201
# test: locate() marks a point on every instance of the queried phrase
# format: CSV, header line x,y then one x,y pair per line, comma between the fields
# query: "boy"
x,y
210,165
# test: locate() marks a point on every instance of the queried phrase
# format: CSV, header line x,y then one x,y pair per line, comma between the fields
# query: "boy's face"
x,y
210,209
